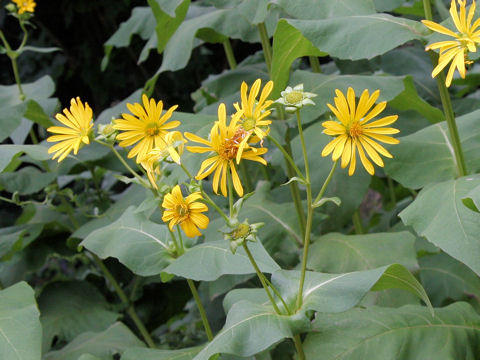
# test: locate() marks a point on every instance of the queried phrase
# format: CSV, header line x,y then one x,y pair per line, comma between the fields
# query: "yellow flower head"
x,y
224,143
78,127
353,131
25,5
456,50
147,126
253,118
186,212
173,150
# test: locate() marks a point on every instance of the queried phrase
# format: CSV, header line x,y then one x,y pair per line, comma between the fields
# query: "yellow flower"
x,y
254,114
354,131
186,212
25,5
173,149
148,127
78,127
224,143
455,51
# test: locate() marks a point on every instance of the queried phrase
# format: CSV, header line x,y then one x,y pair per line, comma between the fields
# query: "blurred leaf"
x,y
27,180
360,36
210,260
16,238
71,308
138,243
387,5
339,253
427,155
114,340
8,152
318,9
155,354
336,200
40,49
36,113
19,325
439,214
446,279
406,333
38,90
255,11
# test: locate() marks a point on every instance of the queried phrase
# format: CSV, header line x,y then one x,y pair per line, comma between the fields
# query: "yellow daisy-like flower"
x,y
186,212
254,113
224,143
78,127
354,131
147,126
455,51
25,5
173,150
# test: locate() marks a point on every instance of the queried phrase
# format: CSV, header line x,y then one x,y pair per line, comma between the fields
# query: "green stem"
x,y
13,59
267,48
304,147
229,54
299,347
261,277
357,223
327,181
276,292
391,190
123,297
447,105
315,64
230,193
287,156
201,309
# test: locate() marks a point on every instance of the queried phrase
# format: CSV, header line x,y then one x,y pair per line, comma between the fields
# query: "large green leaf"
x,y
116,339
210,260
339,253
446,279
319,9
8,152
38,90
71,308
27,180
439,214
138,243
20,329
427,155
359,36
406,333
16,238
155,354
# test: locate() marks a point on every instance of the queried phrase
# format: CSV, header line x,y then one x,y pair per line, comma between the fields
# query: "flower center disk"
x,y
294,97
355,130
181,209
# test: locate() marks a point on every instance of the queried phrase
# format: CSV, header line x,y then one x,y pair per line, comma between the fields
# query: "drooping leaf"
x,y
439,214
156,354
71,308
114,340
138,243
406,333
19,325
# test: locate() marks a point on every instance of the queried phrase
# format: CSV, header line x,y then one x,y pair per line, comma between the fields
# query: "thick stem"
x,y
447,106
267,48
229,54
315,64
298,346
123,297
201,309
304,147
357,223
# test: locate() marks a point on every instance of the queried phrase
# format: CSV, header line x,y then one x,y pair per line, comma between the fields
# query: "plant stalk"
x,y
315,64
227,46
267,48
201,309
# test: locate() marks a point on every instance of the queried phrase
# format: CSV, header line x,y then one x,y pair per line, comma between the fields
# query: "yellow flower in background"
x,y
147,127
25,5
353,131
456,50
224,143
253,118
185,212
78,127
172,151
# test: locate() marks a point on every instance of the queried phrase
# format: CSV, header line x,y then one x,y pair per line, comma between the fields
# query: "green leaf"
x,y
318,9
210,260
27,180
288,45
339,253
359,36
406,333
387,5
43,50
439,214
8,152
116,339
468,202
71,308
16,238
336,200
138,243
19,325
38,90
251,328
446,279
36,113
255,11
155,354
427,156
10,118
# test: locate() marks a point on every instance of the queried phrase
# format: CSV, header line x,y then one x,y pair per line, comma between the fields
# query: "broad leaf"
x,y
71,308
406,333
138,243
210,260
339,253
439,214
155,354
116,339
16,238
318,9
8,152
20,329
27,180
